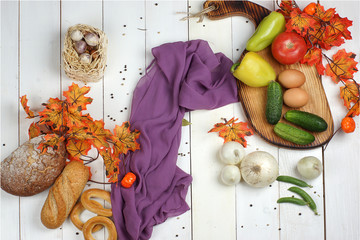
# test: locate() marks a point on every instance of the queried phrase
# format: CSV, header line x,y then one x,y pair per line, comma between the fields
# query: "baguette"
x,y
64,194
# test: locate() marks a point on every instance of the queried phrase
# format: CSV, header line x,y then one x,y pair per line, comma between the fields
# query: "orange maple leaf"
x,y
75,96
232,131
74,117
111,163
76,149
79,133
355,110
124,139
342,66
98,134
53,114
34,130
24,101
350,93
51,140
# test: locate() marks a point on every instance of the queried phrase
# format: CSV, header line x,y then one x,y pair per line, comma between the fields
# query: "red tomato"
x,y
288,48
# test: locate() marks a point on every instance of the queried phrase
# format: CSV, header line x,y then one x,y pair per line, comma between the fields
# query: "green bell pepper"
x,y
254,70
265,33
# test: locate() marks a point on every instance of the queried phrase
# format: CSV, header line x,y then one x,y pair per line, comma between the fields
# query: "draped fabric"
x,y
183,76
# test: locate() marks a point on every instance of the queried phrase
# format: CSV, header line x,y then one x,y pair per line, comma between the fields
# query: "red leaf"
x,y
24,101
232,131
314,57
339,26
324,15
286,7
300,23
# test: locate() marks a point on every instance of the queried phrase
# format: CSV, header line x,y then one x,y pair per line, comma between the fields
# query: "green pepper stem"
x,y
234,66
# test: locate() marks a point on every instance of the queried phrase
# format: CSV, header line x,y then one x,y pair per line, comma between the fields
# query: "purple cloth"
x,y
183,76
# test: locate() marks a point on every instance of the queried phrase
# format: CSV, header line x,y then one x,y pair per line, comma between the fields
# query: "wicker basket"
x,y
76,70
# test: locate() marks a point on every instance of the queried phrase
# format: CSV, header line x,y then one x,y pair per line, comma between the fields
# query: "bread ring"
x,y
75,217
93,205
92,222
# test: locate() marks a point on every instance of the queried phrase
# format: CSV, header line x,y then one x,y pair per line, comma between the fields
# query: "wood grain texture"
x,y
247,9
254,104
254,99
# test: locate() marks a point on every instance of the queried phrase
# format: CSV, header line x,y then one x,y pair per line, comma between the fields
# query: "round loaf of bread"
x,y
27,172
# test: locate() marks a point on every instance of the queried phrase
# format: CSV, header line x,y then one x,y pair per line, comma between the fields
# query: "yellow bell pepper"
x,y
254,70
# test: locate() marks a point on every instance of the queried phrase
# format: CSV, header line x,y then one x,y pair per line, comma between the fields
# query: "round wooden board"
x,y
254,103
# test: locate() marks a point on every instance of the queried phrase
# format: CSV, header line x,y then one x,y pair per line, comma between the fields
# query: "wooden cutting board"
x,y
253,100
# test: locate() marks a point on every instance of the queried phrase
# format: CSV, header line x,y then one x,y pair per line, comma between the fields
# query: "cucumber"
x,y
306,120
293,134
274,102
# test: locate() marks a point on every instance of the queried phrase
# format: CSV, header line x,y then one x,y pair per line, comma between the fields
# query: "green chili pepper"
x,y
254,70
265,33
293,200
293,180
306,198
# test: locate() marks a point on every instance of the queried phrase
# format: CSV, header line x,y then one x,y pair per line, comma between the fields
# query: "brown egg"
x,y
291,78
296,97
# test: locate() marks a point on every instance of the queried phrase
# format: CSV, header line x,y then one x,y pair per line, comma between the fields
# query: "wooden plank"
x,y
299,222
91,15
9,111
257,210
163,26
213,204
124,25
40,80
342,182
251,203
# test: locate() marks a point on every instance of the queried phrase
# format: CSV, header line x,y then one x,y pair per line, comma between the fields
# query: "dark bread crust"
x,y
27,172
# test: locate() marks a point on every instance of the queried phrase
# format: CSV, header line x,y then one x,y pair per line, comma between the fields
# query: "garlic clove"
x,y
85,58
92,39
76,35
80,46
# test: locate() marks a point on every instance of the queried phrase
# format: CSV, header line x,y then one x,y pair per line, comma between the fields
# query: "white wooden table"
x,y
32,36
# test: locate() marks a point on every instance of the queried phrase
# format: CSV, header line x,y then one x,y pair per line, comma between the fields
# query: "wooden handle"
x,y
248,9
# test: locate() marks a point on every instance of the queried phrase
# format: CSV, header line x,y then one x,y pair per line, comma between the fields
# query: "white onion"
x,y
92,39
259,169
309,167
231,152
230,175
76,35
